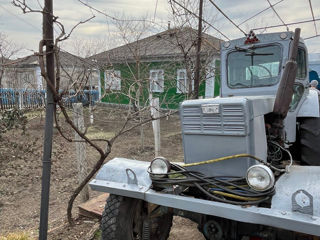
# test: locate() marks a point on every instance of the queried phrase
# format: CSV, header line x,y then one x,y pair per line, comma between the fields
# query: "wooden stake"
x,y
154,102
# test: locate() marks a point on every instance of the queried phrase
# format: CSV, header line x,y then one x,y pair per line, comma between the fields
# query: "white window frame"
x,y
186,90
157,83
112,80
183,82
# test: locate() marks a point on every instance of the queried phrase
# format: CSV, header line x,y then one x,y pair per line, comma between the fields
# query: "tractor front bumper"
x,y
295,206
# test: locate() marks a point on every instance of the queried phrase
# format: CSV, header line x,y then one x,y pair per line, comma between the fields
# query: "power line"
x,y
195,15
24,20
259,13
155,11
288,24
277,15
237,26
318,35
315,26
20,18
99,11
112,17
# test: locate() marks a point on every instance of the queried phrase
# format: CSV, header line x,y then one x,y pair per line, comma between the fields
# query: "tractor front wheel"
x,y
127,219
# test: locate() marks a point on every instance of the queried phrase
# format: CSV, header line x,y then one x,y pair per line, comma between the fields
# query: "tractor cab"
x,y
253,66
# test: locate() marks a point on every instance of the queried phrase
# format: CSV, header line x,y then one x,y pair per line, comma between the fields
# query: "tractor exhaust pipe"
x,y
285,90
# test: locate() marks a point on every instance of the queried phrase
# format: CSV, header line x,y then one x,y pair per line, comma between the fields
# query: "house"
x,y
161,65
3,61
25,73
314,66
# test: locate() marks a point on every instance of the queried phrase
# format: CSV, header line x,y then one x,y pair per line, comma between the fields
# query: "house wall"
x,y
30,78
78,76
20,78
135,80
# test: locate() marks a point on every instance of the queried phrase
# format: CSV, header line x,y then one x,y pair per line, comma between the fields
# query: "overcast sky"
x,y
26,29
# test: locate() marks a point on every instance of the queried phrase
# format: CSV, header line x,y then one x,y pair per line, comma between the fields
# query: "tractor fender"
x,y
124,177
310,105
298,191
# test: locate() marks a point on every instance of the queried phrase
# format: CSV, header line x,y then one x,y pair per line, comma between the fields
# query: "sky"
x,y
102,32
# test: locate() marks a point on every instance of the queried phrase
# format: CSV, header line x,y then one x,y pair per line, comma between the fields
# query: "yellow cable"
x,y
236,196
220,159
230,195
231,157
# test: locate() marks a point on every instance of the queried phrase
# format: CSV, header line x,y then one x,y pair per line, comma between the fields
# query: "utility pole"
x,y
197,67
47,29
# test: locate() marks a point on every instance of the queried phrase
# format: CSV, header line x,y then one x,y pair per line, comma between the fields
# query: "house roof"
x,y
66,59
164,45
4,60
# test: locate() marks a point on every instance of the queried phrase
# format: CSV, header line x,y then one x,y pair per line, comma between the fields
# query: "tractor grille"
x,y
230,121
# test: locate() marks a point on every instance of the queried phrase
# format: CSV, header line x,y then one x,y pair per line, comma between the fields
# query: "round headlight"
x,y
283,36
160,165
226,44
260,177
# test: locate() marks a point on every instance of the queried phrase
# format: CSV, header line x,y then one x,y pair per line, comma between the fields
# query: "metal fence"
x,y
86,97
12,98
31,99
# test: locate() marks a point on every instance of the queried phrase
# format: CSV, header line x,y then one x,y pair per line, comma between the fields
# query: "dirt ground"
x,y
20,173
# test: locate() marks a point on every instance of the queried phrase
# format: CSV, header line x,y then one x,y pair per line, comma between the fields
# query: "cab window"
x,y
302,65
254,67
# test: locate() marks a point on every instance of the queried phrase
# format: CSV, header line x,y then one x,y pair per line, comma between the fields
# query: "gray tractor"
x,y
251,156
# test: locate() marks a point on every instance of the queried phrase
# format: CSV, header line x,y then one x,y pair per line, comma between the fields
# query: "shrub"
x,y
12,119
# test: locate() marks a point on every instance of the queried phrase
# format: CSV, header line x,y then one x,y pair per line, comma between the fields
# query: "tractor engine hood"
x,y
211,126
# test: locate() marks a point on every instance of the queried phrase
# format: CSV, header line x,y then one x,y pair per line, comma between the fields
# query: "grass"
x,y
172,134
31,114
97,235
16,236
94,133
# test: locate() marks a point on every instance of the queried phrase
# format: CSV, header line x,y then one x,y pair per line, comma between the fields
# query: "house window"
x,y
182,83
112,80
156,80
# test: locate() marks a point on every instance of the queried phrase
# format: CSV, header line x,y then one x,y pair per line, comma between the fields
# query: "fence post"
x,y
91,114
154,102
20,100
1,97
80,149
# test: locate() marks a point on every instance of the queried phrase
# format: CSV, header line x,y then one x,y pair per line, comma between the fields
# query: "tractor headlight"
x,y
159,166
260,177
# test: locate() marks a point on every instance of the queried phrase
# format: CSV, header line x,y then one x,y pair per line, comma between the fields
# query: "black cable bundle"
x,y
233,190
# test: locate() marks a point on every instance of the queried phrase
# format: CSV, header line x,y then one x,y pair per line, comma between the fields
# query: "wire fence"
x,y
32,99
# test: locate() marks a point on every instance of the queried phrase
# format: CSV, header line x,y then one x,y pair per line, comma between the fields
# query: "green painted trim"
x,y
131,71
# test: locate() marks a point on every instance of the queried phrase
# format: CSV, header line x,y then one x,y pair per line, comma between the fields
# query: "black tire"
x,y
310,141
122,219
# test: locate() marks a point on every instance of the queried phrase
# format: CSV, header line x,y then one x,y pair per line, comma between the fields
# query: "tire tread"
x,y
109,217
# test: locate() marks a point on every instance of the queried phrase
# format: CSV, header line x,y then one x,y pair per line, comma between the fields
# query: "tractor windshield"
x,y
254,67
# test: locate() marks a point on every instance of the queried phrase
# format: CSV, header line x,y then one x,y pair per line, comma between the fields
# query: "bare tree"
x,y
102,146
8,49
182,18
136,87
